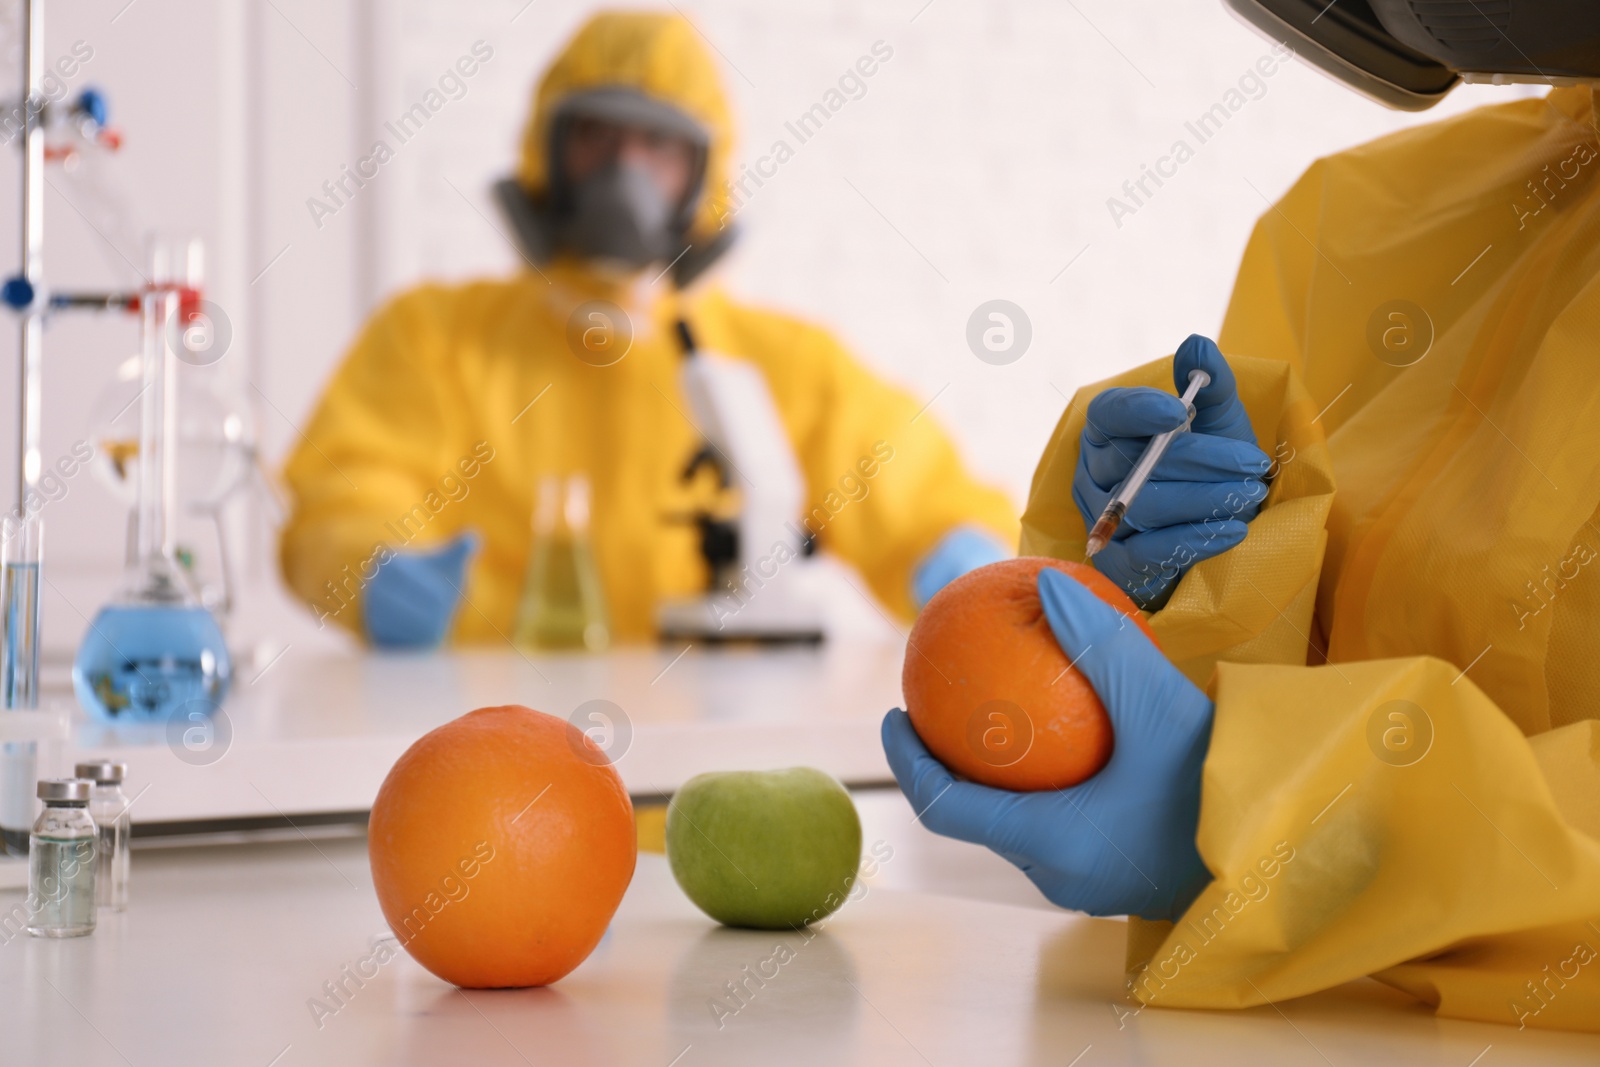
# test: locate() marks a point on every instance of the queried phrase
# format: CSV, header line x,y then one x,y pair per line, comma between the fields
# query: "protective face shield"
x,y
1408,54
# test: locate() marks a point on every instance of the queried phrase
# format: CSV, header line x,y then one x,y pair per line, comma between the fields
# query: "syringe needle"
x,y
1118,505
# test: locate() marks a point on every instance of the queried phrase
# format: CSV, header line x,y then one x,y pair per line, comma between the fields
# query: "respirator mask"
x,y
617,215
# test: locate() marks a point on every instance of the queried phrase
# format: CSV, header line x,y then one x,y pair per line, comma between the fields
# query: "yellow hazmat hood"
x,y
659,55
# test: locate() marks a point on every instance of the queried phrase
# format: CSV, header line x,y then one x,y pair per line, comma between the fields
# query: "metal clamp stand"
x,y
27,295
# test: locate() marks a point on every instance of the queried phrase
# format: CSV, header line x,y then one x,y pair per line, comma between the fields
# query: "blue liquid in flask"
x,y
143,662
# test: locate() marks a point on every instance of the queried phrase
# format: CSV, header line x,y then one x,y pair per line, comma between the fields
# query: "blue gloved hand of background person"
x,y
963,549
413,598
1210,483
1123,842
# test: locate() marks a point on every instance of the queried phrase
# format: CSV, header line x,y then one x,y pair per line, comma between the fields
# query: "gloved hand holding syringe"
x,y
1117,507
1197,490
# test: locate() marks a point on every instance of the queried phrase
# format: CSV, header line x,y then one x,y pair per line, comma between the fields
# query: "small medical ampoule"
x,y
108,806
61,861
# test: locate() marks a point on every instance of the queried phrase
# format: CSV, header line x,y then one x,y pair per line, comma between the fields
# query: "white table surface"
x,y
317,731
223,947
951,958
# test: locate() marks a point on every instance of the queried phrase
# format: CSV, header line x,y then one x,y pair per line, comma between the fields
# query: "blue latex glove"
x,y
1123,842
1208,485
413,598
963,549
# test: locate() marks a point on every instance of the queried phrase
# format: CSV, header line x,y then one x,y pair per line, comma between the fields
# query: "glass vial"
x,y
108,806
562,604
61,861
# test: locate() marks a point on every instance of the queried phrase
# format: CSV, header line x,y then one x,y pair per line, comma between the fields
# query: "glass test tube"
x,y
21,537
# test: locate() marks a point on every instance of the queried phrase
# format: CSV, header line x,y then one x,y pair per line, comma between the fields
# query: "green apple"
x,y
773,850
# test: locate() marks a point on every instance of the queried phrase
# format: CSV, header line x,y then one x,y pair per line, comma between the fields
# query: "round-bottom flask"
x,y
150,656
155,653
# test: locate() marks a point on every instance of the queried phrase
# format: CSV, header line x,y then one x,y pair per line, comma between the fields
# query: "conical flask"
x,y
562,604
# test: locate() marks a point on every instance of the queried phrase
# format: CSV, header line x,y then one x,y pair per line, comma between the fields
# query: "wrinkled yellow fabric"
x,y
1404,777
443,377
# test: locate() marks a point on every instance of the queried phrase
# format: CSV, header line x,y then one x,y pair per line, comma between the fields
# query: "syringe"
x,y
1117,506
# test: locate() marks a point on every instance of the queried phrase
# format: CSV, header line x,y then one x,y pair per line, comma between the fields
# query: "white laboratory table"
x,y
224,947
311,733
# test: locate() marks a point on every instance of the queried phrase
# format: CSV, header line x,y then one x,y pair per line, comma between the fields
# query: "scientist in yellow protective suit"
x,y
1373,744
416,480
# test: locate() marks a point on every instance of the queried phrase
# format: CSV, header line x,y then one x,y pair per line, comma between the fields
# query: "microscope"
x,y
759,561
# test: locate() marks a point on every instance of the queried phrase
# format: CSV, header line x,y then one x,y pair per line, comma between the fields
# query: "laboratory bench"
x,y
261,951
265,955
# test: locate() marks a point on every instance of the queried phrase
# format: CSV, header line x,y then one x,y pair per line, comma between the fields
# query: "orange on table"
x,y
501,844
990,691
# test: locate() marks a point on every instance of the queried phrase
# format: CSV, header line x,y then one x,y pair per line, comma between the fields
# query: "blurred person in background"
x,y
1369,743
416,478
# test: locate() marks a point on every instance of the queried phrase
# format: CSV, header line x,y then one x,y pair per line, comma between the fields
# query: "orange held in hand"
x,y
989,689
501,844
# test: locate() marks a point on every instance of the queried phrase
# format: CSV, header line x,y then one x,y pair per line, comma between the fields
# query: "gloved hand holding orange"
x,y
989,689
1107,836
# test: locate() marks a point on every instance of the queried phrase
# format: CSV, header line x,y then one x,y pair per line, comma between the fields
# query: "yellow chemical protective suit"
x,y
441,381
1404,778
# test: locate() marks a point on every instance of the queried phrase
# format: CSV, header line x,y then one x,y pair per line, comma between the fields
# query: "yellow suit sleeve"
x,y
370,454
1379,818
1469,878
1385,818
